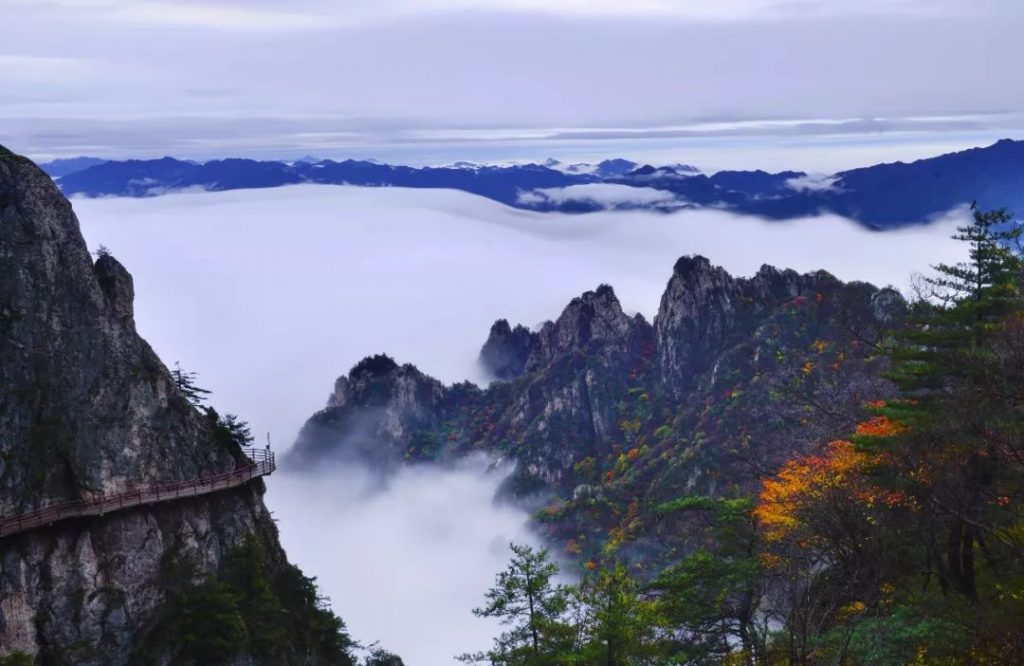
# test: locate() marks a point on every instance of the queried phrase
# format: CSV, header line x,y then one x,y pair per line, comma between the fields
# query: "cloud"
x,y
404,564
213,15
224,17
263,14
35,69
606,195
812,183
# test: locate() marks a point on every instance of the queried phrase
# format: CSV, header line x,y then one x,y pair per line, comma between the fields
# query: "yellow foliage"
x,y
852,609
801,482
805,484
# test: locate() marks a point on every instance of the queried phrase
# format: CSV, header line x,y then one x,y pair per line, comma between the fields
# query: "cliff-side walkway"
x,y
261,463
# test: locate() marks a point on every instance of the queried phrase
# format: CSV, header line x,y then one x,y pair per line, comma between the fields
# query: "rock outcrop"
x,y
591,323
704,311
506,350
88,409
376,415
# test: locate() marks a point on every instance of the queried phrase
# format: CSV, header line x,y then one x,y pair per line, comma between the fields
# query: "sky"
x,y
811,84
271,294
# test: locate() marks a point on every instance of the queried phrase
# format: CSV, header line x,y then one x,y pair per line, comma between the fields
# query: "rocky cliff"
x,y
607,414
87,409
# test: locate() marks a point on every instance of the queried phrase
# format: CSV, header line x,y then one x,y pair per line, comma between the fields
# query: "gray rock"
x,y
373,416
505,353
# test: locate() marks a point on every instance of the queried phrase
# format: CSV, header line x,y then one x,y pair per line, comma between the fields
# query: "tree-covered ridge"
x,y
248,608
599,402
900,543
909,539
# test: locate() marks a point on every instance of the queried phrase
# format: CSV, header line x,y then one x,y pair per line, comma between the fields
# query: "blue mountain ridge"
x,y
880,196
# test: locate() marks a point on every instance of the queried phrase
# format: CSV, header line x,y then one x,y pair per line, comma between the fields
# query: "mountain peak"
x,y
118,286
506,350
691,264
378,364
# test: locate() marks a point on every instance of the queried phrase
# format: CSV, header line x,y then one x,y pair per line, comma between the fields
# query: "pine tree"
x,y
963,300
622,627
527,600
712,598
945,369
186,383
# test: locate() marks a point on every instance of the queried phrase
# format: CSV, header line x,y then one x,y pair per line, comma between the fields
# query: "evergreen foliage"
x,y
229,431
187,384
255,608
527,600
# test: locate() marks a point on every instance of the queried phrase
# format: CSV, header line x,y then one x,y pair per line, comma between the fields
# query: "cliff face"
x,y
606,414
87,409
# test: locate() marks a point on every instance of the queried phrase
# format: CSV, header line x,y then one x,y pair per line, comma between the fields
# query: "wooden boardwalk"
x,y
261,463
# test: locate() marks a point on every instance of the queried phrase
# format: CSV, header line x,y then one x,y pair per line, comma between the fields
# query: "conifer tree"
x,y
186,383
622,627
528,601
945,370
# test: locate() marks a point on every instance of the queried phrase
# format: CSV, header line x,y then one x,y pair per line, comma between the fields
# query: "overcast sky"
x,y
815,84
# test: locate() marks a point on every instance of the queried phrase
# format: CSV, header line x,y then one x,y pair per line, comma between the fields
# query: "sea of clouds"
x,y
271,294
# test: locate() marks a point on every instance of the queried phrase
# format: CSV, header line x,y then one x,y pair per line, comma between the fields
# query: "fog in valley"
x,y
269,295
403,565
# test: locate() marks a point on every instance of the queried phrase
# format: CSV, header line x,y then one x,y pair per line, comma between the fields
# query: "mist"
x,y
404,565
269,295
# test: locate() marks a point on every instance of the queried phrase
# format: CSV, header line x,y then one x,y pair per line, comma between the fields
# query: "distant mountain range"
x,y
880,196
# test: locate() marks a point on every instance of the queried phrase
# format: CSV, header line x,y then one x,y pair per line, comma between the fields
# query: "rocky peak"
x,y
704,309
887,305
697,312
505,353
775,284
118,286
591,322
372,414
380,381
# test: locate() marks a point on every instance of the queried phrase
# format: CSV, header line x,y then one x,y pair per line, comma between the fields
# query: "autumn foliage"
x,y
804,484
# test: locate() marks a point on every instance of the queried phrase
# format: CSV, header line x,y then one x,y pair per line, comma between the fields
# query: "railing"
x,y
261,463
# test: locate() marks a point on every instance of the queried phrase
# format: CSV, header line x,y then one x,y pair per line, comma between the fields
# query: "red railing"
x,y
261,463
